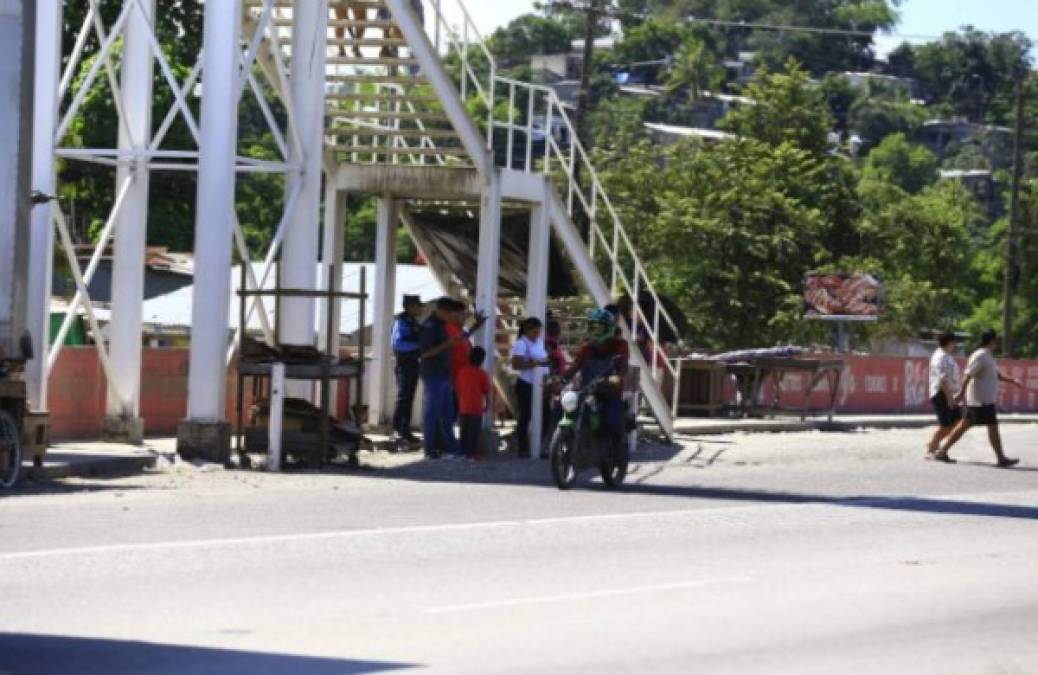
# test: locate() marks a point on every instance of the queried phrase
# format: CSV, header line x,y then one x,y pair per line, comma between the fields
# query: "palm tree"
x,y
695,71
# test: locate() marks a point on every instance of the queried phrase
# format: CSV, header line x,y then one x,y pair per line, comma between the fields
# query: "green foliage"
x,y
898,162
786,109
694,72
973,72
528,35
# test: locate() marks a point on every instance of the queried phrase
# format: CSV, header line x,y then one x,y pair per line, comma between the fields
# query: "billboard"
x,y
845,297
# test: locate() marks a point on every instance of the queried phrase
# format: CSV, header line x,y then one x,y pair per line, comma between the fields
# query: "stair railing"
x,y
539,136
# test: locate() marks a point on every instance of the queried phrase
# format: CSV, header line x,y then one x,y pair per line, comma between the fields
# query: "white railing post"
x,y
511,124
529,129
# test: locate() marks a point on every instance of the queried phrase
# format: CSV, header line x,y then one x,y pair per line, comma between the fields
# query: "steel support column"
x,y
537,304
380,381
488,268
299,253
123,422
205,433
332,253
44,179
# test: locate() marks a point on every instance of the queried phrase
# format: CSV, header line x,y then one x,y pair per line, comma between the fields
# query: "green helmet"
x,y
601,325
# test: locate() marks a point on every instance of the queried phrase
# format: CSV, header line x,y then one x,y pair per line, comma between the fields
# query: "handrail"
x,y
544,115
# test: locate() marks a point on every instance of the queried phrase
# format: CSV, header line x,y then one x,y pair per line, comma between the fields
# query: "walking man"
x,y
945,382
438,412
980,389
406,349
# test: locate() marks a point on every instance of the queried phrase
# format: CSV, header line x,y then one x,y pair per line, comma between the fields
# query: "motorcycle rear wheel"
x,y
563,469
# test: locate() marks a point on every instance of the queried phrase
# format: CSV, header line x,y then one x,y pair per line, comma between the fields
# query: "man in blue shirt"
x,y
406,349
438,414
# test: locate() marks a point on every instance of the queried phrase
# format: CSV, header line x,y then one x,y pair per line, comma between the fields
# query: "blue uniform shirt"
x,y
406,332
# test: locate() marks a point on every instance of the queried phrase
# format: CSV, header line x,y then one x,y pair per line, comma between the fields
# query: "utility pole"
x,y
1012,272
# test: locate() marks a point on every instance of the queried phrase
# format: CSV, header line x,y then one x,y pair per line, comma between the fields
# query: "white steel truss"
x,y
361,83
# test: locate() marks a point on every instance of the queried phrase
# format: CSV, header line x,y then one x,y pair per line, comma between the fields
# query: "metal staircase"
x,y
407,87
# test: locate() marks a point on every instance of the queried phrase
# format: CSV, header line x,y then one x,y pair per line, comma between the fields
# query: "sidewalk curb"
x,y
837,425
102,466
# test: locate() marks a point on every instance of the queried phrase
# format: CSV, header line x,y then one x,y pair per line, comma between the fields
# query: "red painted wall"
x,y
77,393
871,384
887,384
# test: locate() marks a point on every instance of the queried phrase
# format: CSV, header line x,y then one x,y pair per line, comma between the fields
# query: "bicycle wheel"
x,y
10,450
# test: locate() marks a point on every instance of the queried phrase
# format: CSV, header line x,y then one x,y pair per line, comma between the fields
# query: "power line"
x,y
809,29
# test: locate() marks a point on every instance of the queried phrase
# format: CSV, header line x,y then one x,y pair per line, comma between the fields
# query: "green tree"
x,y
786,109
974,72
694,72
898,162
529,35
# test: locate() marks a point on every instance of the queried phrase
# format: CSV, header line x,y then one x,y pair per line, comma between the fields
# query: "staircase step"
x,y
383,98
425,118
370,60
366,42
362,23
367,132
376,79
402,152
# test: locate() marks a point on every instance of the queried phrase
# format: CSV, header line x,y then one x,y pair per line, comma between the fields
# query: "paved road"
x,y
800,553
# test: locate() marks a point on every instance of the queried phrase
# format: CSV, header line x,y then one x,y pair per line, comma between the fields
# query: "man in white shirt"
x,y
980,390
944,385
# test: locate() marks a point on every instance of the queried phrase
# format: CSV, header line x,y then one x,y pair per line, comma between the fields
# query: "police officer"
x,y
406,349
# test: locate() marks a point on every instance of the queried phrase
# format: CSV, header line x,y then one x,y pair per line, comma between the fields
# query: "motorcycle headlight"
x,y
570,400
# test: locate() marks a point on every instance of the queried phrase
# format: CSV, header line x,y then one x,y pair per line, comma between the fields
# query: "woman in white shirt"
x,y
530,360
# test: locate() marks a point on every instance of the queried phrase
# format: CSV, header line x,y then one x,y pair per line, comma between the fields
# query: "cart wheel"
x,y
244,460
10,450
353,461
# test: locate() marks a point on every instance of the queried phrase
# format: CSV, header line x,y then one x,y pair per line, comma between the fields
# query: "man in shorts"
x,y
945,382
980,390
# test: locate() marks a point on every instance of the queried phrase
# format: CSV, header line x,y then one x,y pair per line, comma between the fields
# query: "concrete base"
x,y
208,441
119,429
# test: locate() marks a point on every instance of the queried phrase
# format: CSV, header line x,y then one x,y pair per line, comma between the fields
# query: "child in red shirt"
x,y
472,387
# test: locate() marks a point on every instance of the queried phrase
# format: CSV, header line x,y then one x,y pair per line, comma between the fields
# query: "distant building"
x,y
956,137
876,83
983,185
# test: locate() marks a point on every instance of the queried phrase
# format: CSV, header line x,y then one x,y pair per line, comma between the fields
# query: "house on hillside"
x,y
953,138
983,185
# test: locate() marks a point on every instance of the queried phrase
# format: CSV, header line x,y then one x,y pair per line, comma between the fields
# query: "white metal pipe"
x,y
214,219
488,267
44,179
88,274
88,82
537,305
131,228
382,315
276,416
77,50
299,253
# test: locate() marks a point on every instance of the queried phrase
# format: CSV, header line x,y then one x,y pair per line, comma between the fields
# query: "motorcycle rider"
x,y
604,353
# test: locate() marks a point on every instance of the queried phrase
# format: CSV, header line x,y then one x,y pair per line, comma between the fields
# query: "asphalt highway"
x,y
764,553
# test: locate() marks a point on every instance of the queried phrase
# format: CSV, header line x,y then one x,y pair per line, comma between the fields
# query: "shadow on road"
x,y
56,655
504,471
890,503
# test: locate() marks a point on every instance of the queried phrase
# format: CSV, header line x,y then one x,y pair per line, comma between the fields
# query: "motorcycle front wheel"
x,y
563,469
614,468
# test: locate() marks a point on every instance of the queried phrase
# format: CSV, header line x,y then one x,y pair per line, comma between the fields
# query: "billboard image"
x,y
842,296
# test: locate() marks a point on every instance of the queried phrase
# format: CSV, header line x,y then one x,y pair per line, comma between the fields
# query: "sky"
x,y
918,17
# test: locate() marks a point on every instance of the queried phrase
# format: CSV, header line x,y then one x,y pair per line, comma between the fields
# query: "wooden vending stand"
x,y
285,363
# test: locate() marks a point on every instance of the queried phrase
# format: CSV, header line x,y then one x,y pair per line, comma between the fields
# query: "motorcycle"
x,y
582,442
